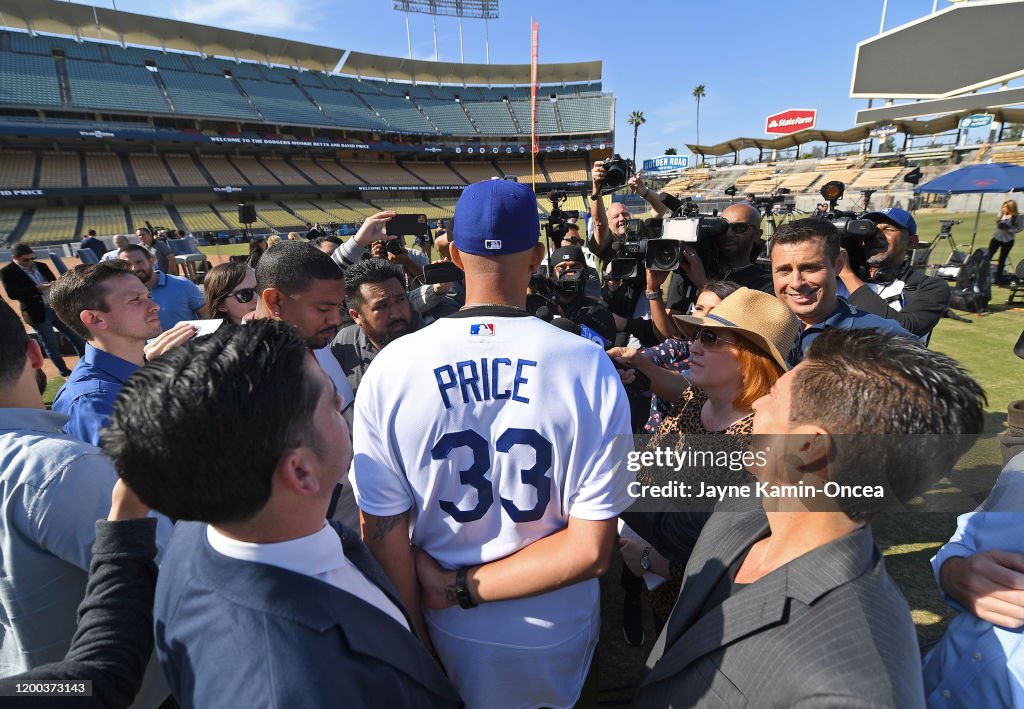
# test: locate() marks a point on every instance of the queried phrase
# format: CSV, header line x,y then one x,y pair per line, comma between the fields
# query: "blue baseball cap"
x,y
496,217
899,217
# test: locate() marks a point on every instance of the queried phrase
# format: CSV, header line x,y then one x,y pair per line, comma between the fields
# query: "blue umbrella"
x,y
995,177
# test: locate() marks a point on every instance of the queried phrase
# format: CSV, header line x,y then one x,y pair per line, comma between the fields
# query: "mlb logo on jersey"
x,y
492,244
484,329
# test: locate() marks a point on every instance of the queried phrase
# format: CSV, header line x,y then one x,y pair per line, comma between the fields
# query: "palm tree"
x,y
698,93
671,151
636,119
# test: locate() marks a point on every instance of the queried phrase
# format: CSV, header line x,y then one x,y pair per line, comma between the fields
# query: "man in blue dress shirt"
x,y
179,298
806,260
113,311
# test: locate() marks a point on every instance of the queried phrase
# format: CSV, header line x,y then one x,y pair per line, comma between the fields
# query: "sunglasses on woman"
x,y
244,295
709,339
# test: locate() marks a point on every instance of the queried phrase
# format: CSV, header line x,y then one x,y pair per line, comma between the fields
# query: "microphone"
x,y
598,325
567,325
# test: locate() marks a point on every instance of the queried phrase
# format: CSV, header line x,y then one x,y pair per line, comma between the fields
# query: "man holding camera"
x,y
892,288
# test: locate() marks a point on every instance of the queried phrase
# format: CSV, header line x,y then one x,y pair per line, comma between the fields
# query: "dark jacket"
x,y
233,633
925,299
828,629
115,621
23,289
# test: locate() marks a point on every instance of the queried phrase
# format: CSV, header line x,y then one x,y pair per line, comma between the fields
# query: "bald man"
x,y
608,224
737,251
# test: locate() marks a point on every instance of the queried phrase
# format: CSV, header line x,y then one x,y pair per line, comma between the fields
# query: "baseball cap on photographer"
x,y
496,217
899,217
567,253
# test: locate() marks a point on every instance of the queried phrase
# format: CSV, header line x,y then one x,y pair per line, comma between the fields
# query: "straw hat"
x,y
761,318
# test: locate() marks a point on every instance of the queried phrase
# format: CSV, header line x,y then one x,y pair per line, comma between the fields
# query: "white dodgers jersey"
x,y
494,429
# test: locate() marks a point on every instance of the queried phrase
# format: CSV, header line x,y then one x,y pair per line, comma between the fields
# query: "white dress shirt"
x,y
319,555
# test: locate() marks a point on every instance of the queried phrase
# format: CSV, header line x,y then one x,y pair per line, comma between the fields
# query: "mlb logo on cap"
x,y
484,329
496,217
493,244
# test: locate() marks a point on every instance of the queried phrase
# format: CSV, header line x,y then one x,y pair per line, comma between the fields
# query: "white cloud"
x,y
272,17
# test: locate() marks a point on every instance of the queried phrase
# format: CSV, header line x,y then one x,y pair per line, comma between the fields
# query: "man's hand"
x,y
630,357
636,183
597,173
125,504
442,288
989,584
169,339
437,584
847,275
656,279
693,267
373,229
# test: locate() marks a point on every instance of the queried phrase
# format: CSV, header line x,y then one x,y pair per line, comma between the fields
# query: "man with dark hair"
x,y
89,241
378,303
179,298
806,260
114,312
159,249
892,288
495,444
55,487
29,283
328,244
785,599
260,601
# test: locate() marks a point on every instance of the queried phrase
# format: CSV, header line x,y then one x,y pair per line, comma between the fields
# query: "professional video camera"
x,y
616,171
558,224
657,244
854,233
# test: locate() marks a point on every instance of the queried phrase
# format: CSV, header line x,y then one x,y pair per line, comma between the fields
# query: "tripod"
x,y
956,257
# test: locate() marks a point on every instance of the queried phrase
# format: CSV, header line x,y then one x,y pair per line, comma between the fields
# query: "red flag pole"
x,y
534,145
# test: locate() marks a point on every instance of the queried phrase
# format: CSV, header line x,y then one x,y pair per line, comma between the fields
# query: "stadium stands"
x,y
566,170
401,114
330,167
60,170
307,212
272,214
586,115
28,80
476,171
114,86
52,224
282,103
380,173
185,172
799,181
107,221
448,116
150,171
492,117
314,172
341,212
253,171
156,214
205,95
284,172
433,173
522,170
202,217
104,171
876,178
9,219
17,170
1011,156
222,171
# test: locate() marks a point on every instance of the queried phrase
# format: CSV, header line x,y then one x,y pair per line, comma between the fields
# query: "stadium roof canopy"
x,y
372,66
941,124
90,22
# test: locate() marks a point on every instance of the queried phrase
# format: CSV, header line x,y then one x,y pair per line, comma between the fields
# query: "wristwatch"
x,y
461,591
596,195
645,559
653,294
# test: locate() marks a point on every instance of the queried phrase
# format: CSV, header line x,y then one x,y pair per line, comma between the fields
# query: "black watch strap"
x,y
461,591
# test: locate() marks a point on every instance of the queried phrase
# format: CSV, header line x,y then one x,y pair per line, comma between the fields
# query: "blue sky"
x,y
753,57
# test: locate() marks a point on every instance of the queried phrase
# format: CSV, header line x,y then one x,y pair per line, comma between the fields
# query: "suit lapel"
x,y
720,544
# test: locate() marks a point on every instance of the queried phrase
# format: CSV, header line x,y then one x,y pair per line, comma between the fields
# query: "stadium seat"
x,y
104,171
60,170
202,217
114,86
185,171
156,215
106,220
380,173
434,173
283,103
205,95
314,172
475,171
9,219
254,171
284,172
17,170
222,171
52,224
28,80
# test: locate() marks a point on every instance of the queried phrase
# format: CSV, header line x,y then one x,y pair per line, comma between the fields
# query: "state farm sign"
x,y
791,121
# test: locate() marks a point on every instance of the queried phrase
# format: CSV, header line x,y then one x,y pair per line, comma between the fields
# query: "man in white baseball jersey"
x,y
498,443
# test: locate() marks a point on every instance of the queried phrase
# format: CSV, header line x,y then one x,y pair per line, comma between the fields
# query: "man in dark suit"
x,y
785,599
29,283
260,601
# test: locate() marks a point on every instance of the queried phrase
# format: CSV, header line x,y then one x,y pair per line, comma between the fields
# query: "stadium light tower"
x,y
475,9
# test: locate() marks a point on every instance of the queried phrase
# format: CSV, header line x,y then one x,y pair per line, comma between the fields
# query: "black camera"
x,y
616,171
854,233
558,224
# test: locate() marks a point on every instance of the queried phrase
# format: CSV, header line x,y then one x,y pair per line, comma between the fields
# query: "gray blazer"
x,y
829,629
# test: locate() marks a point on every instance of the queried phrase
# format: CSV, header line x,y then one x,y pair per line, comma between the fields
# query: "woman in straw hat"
x,y
737,352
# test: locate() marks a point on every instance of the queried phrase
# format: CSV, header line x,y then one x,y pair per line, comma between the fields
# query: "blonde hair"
x,y
273,240
1010,206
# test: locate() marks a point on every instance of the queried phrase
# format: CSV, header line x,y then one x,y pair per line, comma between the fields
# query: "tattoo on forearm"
x,y
385,525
